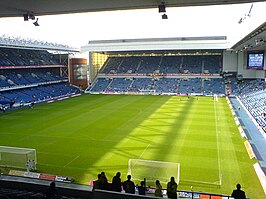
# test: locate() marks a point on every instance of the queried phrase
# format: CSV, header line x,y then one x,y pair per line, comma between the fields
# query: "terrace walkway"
x,y
255,138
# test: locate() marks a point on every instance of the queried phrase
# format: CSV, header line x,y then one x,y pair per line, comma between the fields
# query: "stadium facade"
x,y
234,58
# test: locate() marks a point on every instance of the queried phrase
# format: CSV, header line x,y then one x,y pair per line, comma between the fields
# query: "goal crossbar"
x,y
16,157
153,170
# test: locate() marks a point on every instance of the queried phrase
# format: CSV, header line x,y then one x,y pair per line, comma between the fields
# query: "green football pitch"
x,y
82,136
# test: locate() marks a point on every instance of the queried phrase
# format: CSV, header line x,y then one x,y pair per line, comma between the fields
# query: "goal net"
x,y
16,157
153,170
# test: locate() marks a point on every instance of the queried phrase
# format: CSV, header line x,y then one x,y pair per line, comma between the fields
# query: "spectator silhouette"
x,y
116,182
238,193
103,182
158,189
142,188
172,188
96,183
52,191
129,186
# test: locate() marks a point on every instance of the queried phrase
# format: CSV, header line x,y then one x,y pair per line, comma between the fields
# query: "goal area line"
x,y
201,183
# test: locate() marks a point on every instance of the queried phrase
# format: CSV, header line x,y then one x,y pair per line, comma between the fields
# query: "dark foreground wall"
x,y
41,186
100,194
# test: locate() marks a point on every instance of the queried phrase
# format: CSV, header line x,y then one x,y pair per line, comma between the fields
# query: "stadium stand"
x,y
161,85
100,85
214,86
111,65
39,93
149,65
129,65
171,64
141,84
192,64
166,85
26,57
256,104
246,86
161,74
212,64
9,78
163,64
252,95
192,85
31,76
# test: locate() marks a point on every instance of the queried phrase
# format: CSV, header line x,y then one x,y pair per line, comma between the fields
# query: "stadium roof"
x,y
178,43
15,8
256,40
17,42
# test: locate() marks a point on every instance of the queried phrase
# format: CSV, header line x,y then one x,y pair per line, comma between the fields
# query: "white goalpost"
x,y
15,157
215,98
153,170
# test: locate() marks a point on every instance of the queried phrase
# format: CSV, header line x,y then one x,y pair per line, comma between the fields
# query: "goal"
x,y
16,157
147,92
153,170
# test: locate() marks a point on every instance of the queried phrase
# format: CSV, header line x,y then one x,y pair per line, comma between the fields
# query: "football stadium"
x,y
192,108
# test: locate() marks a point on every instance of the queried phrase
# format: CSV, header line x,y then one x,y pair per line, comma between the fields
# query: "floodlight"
x,y
164,16
36,23
161,7
26,17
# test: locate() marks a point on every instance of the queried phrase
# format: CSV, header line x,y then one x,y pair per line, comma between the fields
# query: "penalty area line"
x,y
141,155
72,161
144,151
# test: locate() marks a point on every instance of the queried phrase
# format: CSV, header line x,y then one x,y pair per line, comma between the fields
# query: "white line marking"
x,y
72,161
217,142
144,151
53,165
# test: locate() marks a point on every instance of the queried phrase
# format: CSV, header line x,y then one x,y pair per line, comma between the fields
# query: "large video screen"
x,y
255,59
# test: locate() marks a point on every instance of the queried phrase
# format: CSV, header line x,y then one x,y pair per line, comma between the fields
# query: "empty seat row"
x,y
160,85
163,64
